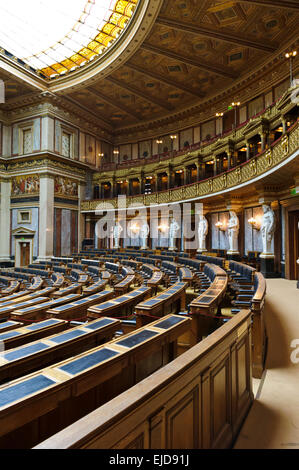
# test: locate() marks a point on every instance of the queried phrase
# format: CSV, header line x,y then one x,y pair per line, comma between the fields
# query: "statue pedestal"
x,y
267,265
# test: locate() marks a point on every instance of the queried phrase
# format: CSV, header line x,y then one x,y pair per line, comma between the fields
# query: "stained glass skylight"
x,y
57,36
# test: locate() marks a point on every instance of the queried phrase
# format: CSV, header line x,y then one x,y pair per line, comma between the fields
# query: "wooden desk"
x,y
207,304
37,283
5,312
77,310
185,275
74,288
13,287
172,300
32,332
22,360
58,279
9,325
59,395
38,312
121,306
14,296
124,286
94,288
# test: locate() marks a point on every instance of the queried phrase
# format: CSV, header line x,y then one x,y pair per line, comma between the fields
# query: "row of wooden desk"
x,y
38,405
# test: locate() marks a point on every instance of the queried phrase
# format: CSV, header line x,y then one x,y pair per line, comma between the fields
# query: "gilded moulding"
x,y
253,168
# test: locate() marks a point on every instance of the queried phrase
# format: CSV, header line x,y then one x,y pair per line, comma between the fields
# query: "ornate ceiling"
x,y
196,49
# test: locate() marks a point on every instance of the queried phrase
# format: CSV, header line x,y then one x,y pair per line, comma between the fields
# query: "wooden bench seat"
x,y
77,309
121,306
39,405
38,312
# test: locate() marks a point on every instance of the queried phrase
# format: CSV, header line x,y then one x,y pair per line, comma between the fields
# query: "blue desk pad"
x,y
23,389
138,338
63,337
43,324
6,324
85,362
169,322
99,324
9,334
204,300
25,351
103,306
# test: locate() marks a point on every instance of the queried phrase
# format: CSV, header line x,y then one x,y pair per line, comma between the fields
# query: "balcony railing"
x,y
279,151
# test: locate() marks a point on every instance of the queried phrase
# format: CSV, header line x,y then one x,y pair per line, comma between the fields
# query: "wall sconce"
x,y
173,137
116,152
254,223
100,154
219,114
220,226
134,228
159,141
163,228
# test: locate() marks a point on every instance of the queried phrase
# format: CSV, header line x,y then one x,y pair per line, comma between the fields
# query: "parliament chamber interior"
x,y
149,221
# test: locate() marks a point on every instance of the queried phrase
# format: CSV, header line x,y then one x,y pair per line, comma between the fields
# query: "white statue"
x,y
173,228
117,229
202,233
267,230
233,232
111,237
144,231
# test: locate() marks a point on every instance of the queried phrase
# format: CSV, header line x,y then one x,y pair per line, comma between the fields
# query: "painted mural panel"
x,y
65,187
24,185
186,138
145,149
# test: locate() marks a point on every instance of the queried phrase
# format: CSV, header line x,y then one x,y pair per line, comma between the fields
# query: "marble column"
x,y
5,221
81,224
46,217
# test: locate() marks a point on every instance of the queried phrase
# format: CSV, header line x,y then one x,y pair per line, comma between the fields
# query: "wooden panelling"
x,y
199,400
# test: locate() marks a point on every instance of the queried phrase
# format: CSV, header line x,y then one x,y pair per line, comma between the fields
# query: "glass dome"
x,y
58,36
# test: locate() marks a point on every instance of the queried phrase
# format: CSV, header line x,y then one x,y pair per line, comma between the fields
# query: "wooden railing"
x,y
199,401
259,335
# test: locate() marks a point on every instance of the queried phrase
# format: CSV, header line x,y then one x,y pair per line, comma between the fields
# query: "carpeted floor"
x,y
273,421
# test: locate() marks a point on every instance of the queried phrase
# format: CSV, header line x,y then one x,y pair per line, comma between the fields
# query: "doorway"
x,y
25,254
293,244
